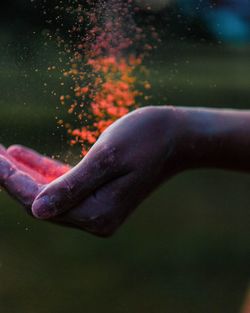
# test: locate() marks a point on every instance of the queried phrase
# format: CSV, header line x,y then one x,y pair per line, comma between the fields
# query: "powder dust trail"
x,y
105,52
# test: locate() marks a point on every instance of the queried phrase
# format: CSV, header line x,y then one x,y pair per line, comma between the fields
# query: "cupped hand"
x,y
130,159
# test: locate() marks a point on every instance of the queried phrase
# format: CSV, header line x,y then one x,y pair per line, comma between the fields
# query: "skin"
x,y
131,158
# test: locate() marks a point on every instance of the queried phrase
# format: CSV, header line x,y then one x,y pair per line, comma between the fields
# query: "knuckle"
x,y
109,153
107,158
67,189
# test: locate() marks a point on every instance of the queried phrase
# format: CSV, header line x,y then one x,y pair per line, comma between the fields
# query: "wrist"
x,y
216,138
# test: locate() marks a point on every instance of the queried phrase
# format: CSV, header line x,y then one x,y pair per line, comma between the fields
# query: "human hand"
x,y
130,159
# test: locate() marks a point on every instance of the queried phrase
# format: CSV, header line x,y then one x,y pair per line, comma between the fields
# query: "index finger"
x,y
99,166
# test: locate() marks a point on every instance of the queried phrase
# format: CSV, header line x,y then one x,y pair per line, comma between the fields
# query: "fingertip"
x,y
43,208
14,150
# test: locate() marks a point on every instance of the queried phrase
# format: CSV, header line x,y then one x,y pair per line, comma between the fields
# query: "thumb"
x,y
98,167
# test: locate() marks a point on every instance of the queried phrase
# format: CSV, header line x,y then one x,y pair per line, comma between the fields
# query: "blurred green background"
x,y
186,249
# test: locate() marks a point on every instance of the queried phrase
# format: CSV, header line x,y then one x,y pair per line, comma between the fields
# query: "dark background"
x,y
187,248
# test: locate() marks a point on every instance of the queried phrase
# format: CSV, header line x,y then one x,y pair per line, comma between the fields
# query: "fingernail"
x,y
43,208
